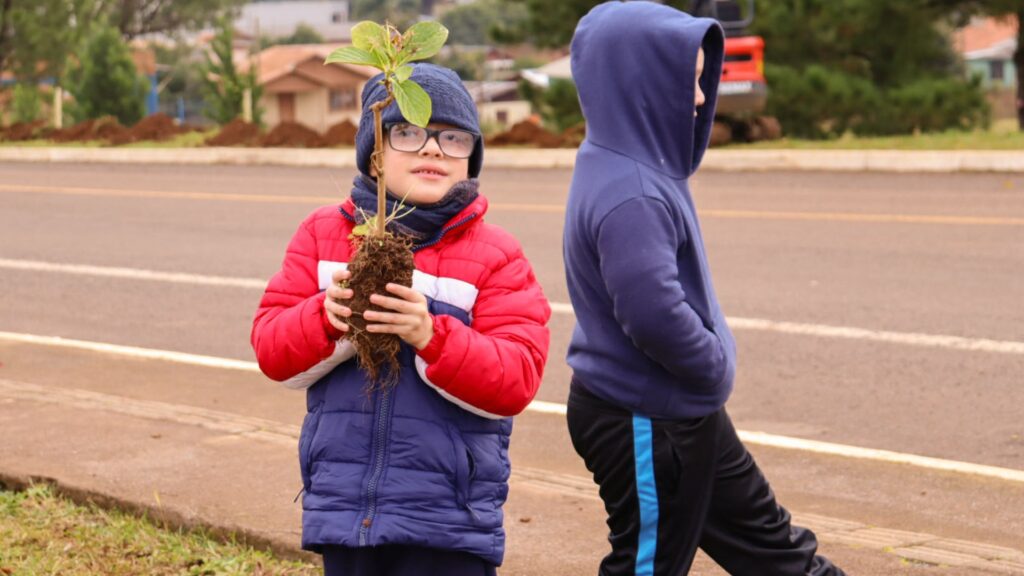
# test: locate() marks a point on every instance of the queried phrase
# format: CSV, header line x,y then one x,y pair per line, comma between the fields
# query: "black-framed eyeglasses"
x,y
454,142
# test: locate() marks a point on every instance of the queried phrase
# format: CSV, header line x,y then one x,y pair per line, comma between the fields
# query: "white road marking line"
x,y
908,338
133,352
757,438
132,274
736,323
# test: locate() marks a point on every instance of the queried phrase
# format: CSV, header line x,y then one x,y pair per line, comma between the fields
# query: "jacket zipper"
x,y
444,231
379,442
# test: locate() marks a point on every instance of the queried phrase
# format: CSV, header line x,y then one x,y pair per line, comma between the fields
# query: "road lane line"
x,y
736,323
850,333
858,217
529,208
132,274
133,352
544,407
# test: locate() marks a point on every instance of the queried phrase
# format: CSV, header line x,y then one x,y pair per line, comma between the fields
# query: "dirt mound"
x,y
158,127
238,132
574,135
341,134
527,133
293,135
103,128
21,131
113,132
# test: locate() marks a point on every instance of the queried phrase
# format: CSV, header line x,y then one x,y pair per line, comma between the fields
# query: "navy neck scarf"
x,y
426,220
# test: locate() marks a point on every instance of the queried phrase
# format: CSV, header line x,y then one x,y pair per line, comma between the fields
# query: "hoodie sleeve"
x,y
293,340
493,367
637,244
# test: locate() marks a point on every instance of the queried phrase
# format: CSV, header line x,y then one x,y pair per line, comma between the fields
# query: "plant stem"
x,y
378,152
378,161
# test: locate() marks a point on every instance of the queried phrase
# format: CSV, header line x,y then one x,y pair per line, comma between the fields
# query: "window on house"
x,y
337,17
502,117
343,99
997,71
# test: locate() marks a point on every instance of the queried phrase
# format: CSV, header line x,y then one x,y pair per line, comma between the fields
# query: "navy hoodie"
x,y
650,335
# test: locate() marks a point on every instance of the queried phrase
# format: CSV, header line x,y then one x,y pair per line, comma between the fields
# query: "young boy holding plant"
x,y
409,479
652,355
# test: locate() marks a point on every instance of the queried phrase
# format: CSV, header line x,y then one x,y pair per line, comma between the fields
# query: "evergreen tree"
x,y
106,81
223,85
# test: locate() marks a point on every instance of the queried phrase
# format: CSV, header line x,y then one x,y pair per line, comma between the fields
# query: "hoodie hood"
x,y
634,65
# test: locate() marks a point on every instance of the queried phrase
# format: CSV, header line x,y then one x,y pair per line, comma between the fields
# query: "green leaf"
x,y
422,40
413,101
403,73
367,35
353,55
361,230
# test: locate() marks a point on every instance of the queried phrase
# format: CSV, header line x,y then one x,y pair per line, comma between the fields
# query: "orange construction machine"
x,y
743,91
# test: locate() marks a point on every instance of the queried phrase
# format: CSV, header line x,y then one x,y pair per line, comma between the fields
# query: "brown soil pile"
x,y
377,262
293,135
158,127
113,132
21,131
238,132
574,135
528,133
103,128
341,134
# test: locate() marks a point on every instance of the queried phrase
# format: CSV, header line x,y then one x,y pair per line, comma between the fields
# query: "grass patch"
x,y
187,140
42,533
1003,135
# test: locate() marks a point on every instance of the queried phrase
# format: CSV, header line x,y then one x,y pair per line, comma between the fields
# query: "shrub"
x,y
25,103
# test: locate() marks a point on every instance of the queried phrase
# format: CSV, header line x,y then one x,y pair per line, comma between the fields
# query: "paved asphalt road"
x,y
871,310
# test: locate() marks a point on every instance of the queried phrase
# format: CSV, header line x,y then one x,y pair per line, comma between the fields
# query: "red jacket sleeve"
x,y
494,365
290,333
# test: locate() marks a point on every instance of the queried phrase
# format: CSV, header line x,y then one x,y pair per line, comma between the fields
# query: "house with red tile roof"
x,y
987,46
298,87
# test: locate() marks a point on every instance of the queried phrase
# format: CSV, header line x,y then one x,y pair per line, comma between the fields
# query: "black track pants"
x,y
670,486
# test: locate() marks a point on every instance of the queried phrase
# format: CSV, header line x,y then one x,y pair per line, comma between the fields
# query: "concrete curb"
x,y
943,161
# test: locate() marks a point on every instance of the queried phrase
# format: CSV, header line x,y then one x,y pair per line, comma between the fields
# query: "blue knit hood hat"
x,y
451,104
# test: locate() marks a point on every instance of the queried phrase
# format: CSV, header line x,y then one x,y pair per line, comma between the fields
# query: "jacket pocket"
x,y
309,427
465,470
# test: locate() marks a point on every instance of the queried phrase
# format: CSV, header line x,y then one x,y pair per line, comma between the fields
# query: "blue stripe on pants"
x,y
647,495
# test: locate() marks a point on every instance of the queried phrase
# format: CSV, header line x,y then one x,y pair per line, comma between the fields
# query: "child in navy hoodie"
x,y
409,480
652,356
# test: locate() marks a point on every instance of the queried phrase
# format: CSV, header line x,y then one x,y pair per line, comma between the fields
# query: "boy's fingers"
x,y
393,303
398,329
340,275
384,317
405,293
337,309
333,291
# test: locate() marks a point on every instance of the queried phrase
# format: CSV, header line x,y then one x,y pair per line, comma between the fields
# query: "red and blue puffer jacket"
x,y
426,462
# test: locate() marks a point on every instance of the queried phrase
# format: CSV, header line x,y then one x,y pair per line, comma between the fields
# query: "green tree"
x,y
106,82
303,34
558,104
136,17
399,13
43,34
26,106
6,31
473,23
223,85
